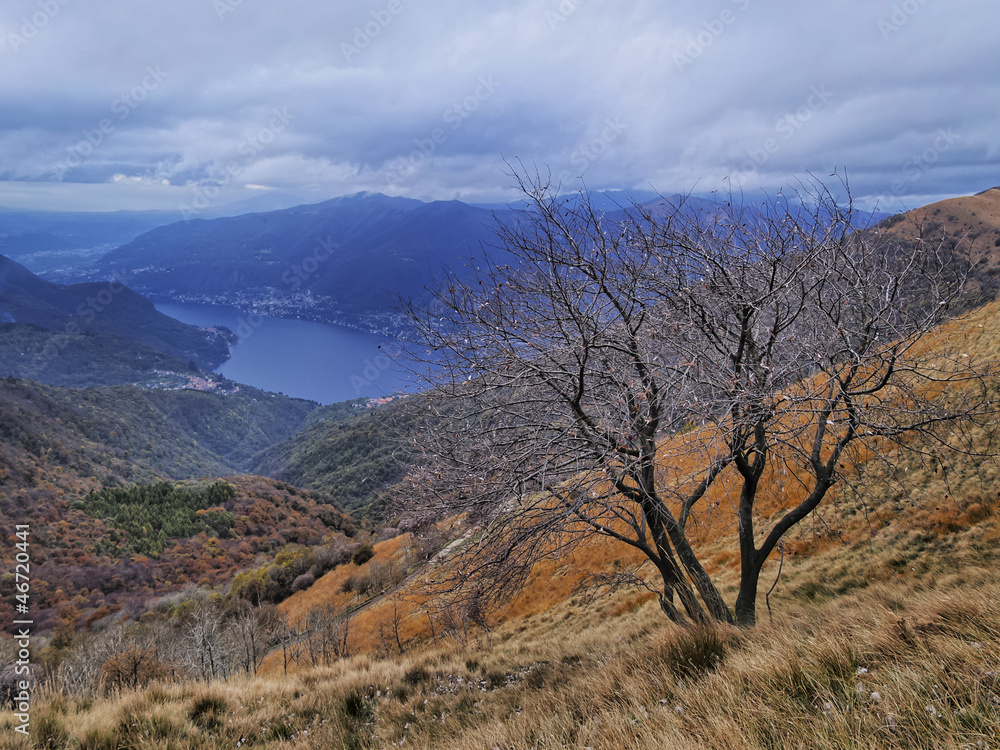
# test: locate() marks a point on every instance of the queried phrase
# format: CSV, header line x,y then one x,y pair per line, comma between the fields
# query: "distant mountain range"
x,y
343,260
60,243
25,231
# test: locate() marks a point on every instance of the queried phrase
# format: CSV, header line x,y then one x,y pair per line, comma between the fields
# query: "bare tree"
x,y
388,618
120,656
132,668
293,641
255,630
610,374
328,632
209,650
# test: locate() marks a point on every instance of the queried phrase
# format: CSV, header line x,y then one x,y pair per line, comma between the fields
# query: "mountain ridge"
x,y
109,307
342,260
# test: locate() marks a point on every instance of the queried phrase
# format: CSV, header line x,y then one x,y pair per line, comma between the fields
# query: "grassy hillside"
x,y
891,668
974,219
881,631
861,652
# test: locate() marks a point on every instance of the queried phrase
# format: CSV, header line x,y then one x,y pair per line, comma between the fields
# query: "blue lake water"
x,y
301,358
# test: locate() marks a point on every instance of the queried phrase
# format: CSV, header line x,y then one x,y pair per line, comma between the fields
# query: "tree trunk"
x,y
657,517
746,601
709,593
750,561
667,605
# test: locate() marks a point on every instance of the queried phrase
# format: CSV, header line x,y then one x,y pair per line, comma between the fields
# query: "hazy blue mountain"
x,y
63,245
77,229
266,201
344,260
340,259
14,245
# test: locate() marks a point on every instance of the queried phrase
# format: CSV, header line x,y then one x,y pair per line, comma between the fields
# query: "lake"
x,y
301,358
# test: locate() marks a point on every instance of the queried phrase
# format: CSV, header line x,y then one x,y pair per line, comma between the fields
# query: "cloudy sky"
x,y
112,104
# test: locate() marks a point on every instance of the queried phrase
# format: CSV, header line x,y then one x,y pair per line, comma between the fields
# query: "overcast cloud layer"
x,y
115,104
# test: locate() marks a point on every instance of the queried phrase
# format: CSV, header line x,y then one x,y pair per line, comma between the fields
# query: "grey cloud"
x,y
701,92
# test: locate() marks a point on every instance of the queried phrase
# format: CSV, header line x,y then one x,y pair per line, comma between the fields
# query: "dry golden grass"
x,y
911,663
974,216
713,529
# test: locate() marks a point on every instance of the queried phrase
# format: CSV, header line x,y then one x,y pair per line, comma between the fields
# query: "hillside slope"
x,y
974,219
905,512
80,360
58,444
107,307
126,433
346,452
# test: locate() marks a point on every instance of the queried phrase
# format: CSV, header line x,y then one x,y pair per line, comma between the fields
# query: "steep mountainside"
x,y
107,307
